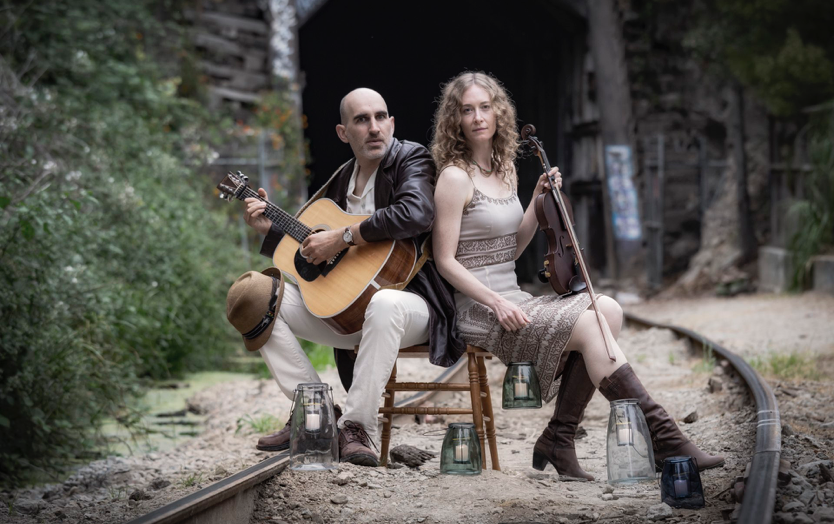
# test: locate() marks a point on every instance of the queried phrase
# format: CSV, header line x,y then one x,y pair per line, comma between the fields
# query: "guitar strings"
x,y
291,225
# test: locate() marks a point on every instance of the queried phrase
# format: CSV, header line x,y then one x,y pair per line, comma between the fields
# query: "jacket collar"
x,y
396,145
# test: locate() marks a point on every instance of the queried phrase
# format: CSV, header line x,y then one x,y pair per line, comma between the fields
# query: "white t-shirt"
x,y
364,204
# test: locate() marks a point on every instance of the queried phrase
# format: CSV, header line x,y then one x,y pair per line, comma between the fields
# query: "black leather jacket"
x,y
403,196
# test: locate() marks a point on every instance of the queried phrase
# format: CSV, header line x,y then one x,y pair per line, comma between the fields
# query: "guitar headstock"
x,y
233,186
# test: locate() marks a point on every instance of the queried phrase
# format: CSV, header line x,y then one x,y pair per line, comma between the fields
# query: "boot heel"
x,y
540,460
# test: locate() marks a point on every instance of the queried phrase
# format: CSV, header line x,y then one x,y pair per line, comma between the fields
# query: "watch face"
x,y
347,236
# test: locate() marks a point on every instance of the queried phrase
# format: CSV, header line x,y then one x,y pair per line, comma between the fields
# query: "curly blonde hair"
x,y
448,143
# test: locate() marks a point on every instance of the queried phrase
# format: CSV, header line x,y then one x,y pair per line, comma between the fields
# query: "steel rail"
x,y
234,491
760,492
226,500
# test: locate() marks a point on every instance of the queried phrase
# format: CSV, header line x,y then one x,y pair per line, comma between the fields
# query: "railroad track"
x,y
232,500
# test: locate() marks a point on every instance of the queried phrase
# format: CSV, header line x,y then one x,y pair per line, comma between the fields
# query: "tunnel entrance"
x,y
407,50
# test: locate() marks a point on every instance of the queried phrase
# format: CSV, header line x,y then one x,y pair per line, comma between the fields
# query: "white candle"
x,y
623,435
312,421
520,389
462,452
681,488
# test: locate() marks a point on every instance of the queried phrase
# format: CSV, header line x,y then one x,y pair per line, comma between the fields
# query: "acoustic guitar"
x,y
337,291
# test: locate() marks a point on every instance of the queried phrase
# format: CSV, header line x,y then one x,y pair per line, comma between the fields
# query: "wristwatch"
x,y
347,236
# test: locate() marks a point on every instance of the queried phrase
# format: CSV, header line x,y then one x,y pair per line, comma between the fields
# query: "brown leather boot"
x,y
667,438
355,446
555,445
280,440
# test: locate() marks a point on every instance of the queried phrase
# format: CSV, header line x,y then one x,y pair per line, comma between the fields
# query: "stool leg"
x,y
487,412
389,419
477,415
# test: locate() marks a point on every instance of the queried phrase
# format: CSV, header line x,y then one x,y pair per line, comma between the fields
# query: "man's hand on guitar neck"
x,y
324,245
254,215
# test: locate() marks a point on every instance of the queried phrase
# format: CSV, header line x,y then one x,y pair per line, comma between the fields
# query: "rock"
x,y
692,417
140,494
659,512
715,384
516,451
343,478
824,515
29,507
812,469
339,499
158,484
787,430
411,456
608,496
388,494
608,488
825,473
221,471
807,496
791,507
802,518
535,475
784,471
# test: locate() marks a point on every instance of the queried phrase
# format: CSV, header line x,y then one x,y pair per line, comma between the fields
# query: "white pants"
x,y
393,320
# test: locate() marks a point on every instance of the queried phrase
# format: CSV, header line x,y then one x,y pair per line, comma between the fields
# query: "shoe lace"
x,y
354,432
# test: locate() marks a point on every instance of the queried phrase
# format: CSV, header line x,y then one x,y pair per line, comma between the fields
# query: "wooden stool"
x,y
478,387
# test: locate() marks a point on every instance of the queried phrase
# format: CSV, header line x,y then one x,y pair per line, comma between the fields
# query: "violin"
x,y
564,267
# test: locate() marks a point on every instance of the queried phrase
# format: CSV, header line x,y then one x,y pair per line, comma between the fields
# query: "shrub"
x,y
113,266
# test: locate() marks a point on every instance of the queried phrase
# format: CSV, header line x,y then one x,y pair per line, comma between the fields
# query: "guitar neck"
x,y
286,222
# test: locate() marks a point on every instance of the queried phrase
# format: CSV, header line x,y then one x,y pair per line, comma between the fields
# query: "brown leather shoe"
x,y
667,438
556,444
355,446
280,440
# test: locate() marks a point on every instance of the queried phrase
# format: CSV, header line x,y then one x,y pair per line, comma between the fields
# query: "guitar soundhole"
x,y
310,272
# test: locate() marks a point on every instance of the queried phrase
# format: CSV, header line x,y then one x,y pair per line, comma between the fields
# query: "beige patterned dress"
x,y
487,248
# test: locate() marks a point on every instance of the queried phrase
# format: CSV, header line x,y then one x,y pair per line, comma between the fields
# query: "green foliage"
x,y
707,362
113,267
192,479
782,49
794,365
276,114
262,425
815,212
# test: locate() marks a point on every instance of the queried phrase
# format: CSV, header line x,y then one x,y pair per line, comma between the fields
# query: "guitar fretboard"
x,y
288,223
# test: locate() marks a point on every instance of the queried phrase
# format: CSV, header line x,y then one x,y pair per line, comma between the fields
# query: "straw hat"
x,y
252,304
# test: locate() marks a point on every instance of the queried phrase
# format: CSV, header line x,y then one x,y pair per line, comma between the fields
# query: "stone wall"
x,y
676,97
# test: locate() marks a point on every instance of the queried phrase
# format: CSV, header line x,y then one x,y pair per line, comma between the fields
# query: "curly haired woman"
x,y
479,232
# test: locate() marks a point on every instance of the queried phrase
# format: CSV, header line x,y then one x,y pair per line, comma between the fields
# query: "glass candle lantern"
x,y
629,444
521,387
680,483
314,442
461,451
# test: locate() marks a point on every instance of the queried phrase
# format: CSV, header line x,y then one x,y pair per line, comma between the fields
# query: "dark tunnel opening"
x,y
406,51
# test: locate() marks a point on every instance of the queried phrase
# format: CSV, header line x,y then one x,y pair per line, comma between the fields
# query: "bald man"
x,y
392,181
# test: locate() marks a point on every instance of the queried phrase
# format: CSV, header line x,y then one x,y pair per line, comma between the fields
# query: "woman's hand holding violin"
x,y
543,185
510,316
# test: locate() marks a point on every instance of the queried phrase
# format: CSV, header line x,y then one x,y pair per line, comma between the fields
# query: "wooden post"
x,y
614,100
746,236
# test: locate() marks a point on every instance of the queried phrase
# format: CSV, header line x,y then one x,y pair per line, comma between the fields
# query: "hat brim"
x,y
257,343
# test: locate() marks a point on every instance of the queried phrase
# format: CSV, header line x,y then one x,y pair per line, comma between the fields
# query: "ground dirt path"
x,y
118,489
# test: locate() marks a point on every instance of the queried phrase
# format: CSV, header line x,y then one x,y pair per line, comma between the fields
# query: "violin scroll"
x,y
527,130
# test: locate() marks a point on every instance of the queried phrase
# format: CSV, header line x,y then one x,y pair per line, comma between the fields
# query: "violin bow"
x,y
527,136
